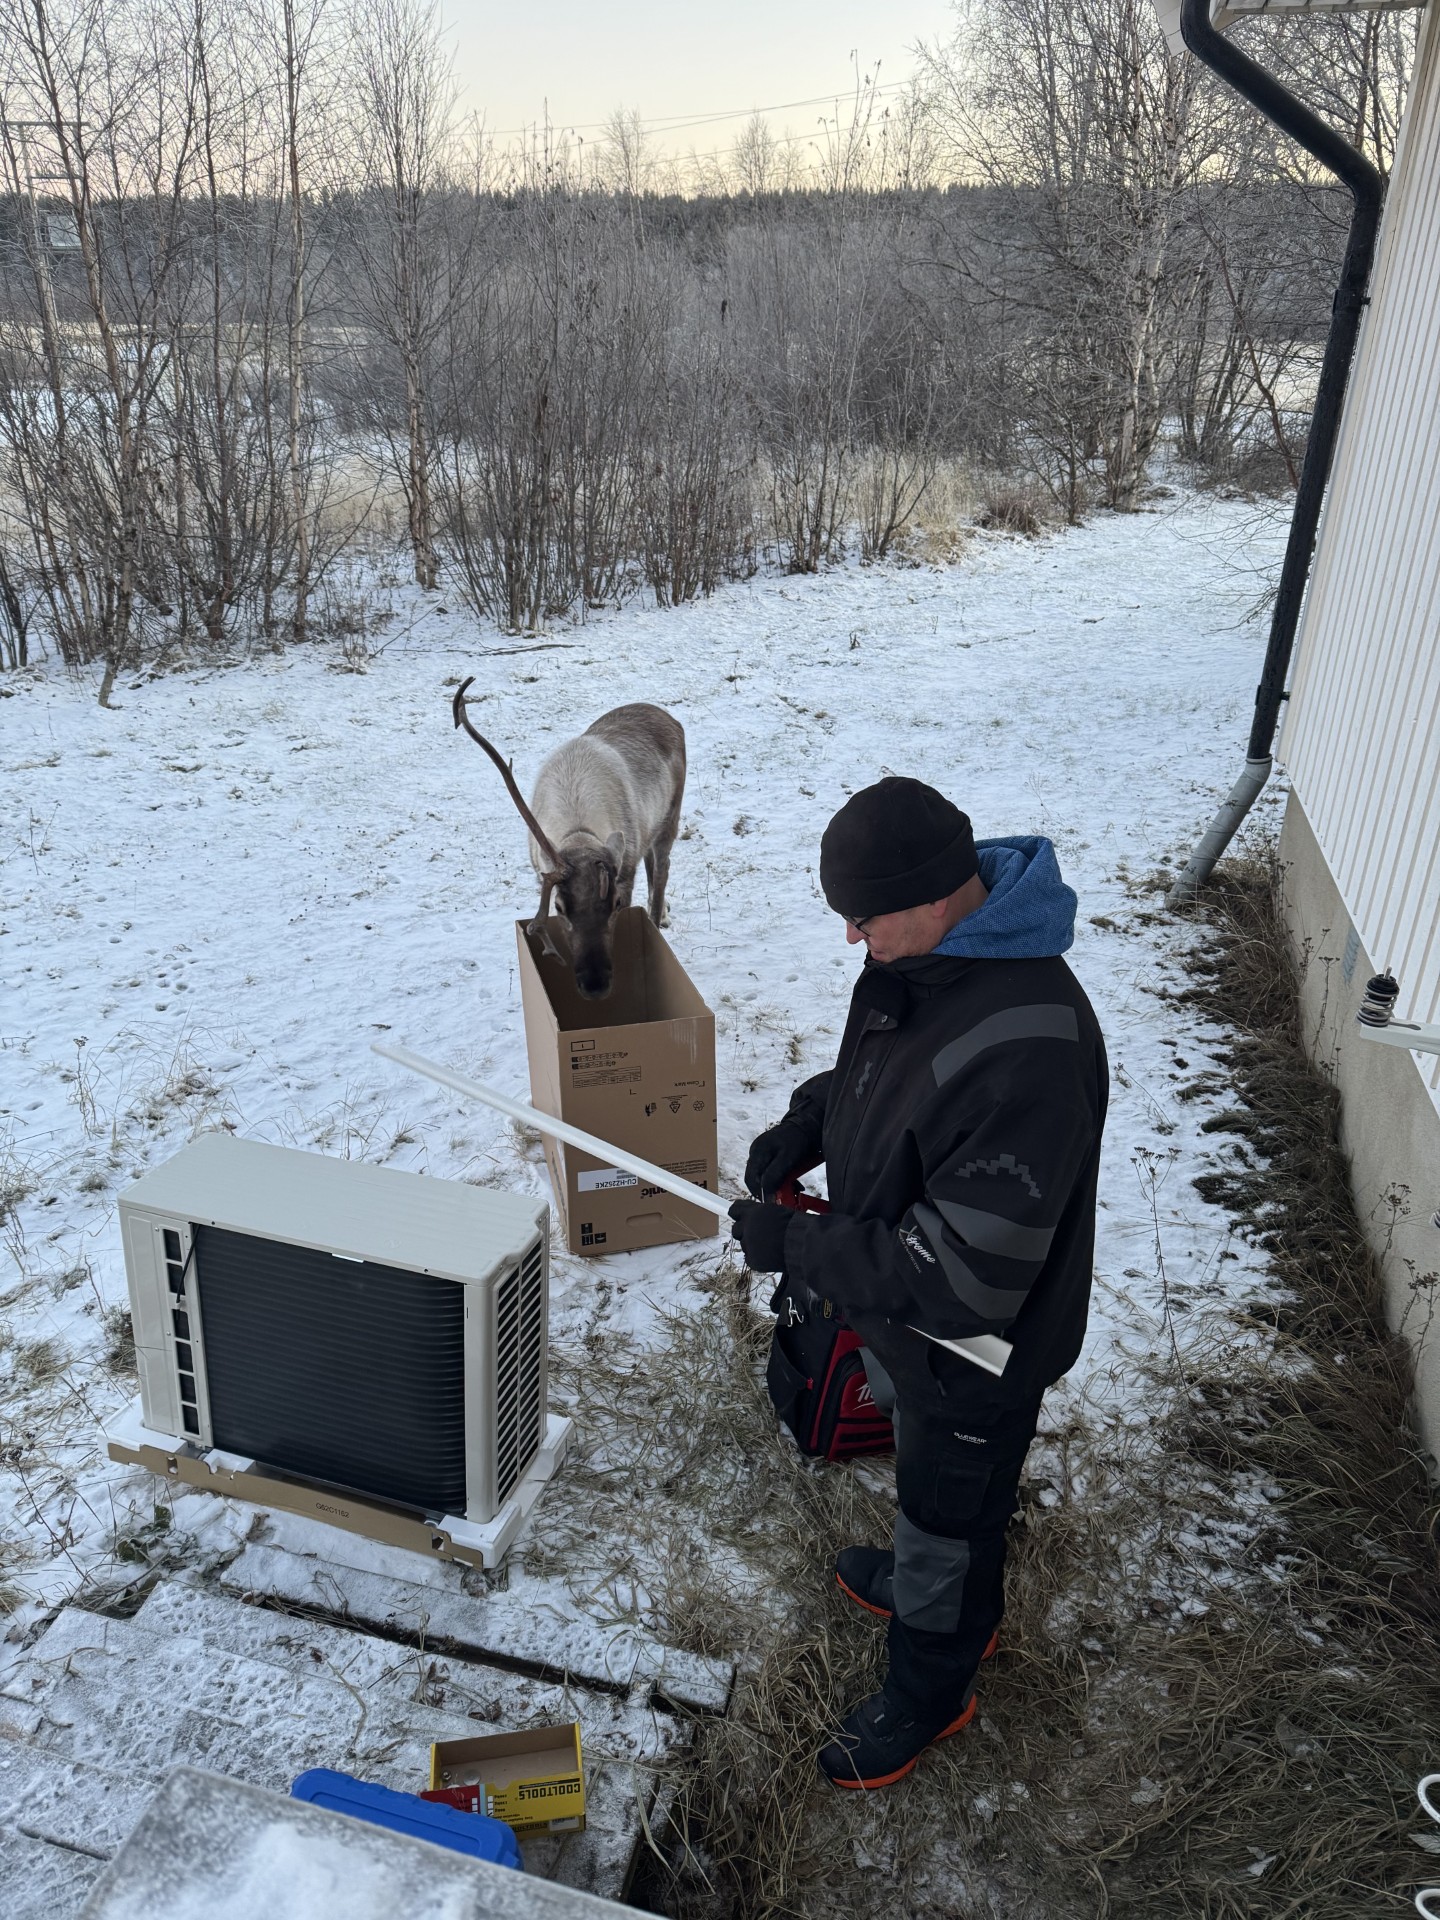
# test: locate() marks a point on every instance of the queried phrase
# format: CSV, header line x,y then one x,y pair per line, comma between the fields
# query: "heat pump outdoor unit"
x,y
364,1346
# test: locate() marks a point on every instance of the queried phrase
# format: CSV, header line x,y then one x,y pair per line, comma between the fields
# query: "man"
x,y
960,1129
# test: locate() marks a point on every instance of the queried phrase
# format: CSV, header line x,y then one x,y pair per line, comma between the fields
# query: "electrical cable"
x,y
679,123
1427,1897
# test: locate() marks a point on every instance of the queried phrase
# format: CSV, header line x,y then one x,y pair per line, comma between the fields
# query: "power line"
x,y
679,123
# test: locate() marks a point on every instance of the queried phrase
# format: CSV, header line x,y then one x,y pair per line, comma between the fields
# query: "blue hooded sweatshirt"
x,y
1030,914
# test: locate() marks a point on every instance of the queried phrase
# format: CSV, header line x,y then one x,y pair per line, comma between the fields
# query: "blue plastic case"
x,y
470,1833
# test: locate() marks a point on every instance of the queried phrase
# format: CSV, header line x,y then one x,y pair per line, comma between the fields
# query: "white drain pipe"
x,y
984,1350
645,1170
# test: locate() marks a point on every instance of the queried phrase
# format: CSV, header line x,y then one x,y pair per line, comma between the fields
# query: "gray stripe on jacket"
x,y
1037,1022
991,1303
993,1233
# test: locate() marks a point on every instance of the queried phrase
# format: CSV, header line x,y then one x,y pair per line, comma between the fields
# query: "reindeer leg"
x,y
657,864
658,871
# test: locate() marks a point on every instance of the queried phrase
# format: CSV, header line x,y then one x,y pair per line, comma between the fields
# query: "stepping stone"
x,y
41,1882
66,1803
616,1724
111,1692
534,1623
209,1845
115,1693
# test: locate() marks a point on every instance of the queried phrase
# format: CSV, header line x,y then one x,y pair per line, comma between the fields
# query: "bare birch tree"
x,y
116,99
1086,128
412,234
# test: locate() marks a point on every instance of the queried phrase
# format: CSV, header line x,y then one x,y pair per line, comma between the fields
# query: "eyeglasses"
x,y
860,924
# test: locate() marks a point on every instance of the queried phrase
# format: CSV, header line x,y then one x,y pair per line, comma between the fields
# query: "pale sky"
x,y
675,61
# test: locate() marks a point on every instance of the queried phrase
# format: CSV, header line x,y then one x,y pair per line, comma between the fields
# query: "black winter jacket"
x,y
960,1129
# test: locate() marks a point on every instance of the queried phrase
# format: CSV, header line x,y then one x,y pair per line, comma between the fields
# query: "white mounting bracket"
x,y
1403,1033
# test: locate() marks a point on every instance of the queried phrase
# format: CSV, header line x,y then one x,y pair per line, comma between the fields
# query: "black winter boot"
x,y
881,1739
865,1574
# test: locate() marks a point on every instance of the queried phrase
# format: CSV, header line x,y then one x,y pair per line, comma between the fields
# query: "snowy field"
x,y
216,897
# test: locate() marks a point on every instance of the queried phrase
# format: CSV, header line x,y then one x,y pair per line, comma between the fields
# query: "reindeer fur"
x,y
619,786
603,802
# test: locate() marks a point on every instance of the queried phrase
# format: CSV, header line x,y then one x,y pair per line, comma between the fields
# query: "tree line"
x,y
268,299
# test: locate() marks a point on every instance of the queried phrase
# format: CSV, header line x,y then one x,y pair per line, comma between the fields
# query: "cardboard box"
x,y
533,1781
637,1068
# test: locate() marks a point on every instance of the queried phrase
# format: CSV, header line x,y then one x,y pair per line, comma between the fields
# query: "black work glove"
x,y
789,1147
761,1231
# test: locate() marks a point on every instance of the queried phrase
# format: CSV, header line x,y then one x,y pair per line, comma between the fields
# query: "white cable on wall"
x,y
1427,1900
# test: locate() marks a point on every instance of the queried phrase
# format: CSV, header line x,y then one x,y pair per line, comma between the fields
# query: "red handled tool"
x,y
790,1193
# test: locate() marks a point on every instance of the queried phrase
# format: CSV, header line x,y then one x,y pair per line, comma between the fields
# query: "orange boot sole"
x,y
888,1779
992,1645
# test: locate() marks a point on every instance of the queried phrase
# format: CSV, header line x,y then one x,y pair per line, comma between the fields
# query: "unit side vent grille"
x,y
519,1359
343,1371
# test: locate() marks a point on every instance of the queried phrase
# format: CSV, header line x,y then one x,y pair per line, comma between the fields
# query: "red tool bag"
x,y
815,1375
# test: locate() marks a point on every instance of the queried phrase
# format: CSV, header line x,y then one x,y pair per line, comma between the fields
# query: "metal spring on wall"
x,y
1381,992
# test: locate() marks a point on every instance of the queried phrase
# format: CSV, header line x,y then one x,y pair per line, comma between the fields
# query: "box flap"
x,y
650,983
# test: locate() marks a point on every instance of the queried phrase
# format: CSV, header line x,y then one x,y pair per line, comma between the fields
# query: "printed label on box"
x,y
603,1179
641,1074
545,1789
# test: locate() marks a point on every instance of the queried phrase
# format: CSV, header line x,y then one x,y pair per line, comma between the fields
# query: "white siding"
x,y
1362,734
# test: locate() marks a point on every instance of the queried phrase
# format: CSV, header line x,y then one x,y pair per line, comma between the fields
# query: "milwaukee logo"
x,y
864,1398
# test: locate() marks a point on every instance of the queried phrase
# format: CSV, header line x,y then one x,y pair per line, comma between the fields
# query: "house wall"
x,y
1361,741
1390,1125
1362,737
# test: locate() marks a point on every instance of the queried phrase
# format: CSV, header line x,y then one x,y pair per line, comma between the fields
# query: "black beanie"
x,y
895,845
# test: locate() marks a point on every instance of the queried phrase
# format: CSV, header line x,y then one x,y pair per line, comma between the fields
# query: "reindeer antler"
x,y
462,719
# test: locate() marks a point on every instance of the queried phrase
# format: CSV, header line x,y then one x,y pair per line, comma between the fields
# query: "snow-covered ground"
x,y
216,897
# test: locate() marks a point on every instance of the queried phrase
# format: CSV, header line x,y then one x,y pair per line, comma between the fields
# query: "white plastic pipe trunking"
x,y
984,1350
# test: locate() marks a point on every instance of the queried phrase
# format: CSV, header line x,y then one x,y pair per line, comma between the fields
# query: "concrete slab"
x,y
41,1882
211,1848
119,1695
614,1724
65,1802
536,1622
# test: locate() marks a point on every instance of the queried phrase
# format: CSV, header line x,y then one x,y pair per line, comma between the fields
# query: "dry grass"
x,y
39,1361
1006,508
119,1330
1217,1683
942,525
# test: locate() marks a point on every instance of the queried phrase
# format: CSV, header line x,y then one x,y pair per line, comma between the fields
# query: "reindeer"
x,y
603,802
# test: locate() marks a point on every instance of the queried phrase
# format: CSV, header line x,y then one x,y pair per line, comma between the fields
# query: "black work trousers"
x,y
957,1486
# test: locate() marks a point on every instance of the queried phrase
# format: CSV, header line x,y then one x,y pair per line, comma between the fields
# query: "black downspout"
x,y
1320,140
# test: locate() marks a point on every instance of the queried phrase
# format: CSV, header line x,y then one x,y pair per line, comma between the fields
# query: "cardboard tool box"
x,y
533,1781
637,1068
